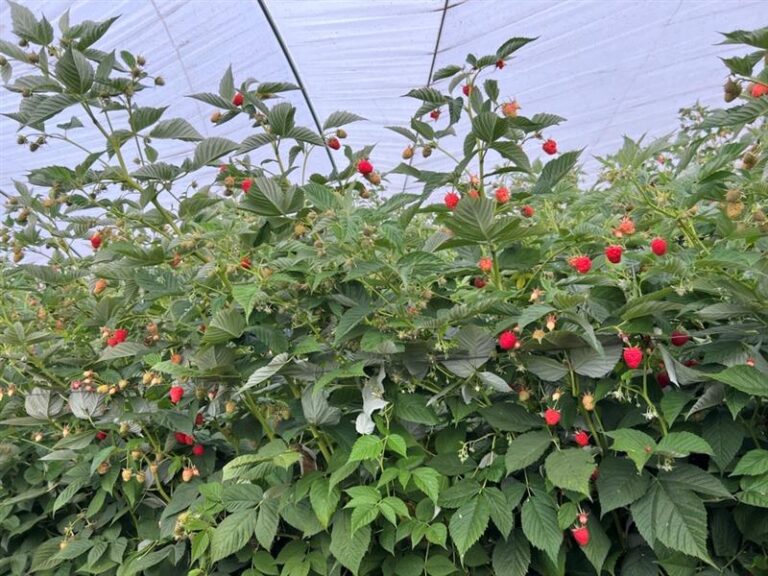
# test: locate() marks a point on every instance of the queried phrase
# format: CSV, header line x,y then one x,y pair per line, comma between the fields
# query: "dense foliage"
x,y
293,374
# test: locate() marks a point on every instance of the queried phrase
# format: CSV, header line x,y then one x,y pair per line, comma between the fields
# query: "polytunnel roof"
x,y
610,68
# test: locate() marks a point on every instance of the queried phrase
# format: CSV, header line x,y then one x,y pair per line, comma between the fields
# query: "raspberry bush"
x,y
250,369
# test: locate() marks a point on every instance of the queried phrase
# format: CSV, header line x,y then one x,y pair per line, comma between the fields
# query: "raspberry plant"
x,y
290,373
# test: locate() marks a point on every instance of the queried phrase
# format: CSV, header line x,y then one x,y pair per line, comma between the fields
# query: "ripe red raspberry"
x,y
581,535
613,253
662,379
467,89
198,450
96,241
507,340
435,114
101,435
758,90
245,263
479,282
581,438
500,63
199,419
246,184
502,195
451,200
659,246
551,416
550,147
679,338
485,264
333,143
121,334
691,363
112,341
176,394
364,167
527,211
581,264
183,438
633,356
237,100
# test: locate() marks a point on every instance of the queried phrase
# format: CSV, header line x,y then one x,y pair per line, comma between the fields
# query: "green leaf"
x,y
548,369
268,198
347,547
745,379
753,463
176,129
267,522
211,149
675,517
689,477
638,445
431,95
757,38
445,72
227,84
366,448
303,134
488,127
588,362
340,118
396,443
511,46
75,72
724,435
539,520
280,118
554,171
317,411
48,107
473,219
239,497
123,350
266,372
324,500
511,557
570,469
599,545
527,449
428,481
469,523
502,511
26,26
681,444
233,533
513,152
226,325
144,117
619,484
349,320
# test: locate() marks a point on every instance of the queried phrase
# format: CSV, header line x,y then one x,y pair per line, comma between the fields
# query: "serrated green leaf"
x,y
681,444
177,129
539,520
511,557
619,484
233,533
527,449
638,445
469,523
570,469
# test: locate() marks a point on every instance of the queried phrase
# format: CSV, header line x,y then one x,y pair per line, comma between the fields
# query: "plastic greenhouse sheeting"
x,y
609,67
